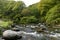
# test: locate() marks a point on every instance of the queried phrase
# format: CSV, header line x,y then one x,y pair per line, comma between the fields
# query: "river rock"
x,y
11,35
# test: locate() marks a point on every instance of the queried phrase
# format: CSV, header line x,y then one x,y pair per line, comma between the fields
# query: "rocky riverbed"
x,y
29,33
36,36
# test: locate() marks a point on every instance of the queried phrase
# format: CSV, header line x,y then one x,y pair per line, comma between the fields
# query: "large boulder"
x,y
11,35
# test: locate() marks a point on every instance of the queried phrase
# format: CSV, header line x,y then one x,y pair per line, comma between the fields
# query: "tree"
x,y
34,10
26,12
10,9
44,6
28,20
53,15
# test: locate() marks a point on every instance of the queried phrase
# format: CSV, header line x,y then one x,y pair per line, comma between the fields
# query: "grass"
x,y
5,23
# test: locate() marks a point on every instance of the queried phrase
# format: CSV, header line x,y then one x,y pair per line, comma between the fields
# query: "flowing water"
x,y
28,33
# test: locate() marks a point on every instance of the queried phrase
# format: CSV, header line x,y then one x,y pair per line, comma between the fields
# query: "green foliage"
x,y
28,20
34,10
29,12
5,24
11,8
45,11
26,12
44,6
53,15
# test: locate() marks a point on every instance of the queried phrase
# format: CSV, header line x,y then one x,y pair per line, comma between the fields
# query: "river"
x,y
28,33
